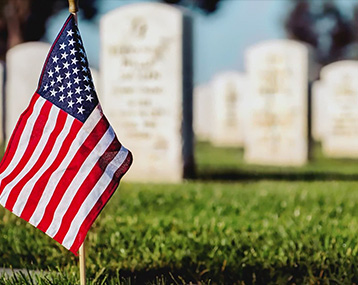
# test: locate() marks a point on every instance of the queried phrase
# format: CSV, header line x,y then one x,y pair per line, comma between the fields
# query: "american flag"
x,y
63,161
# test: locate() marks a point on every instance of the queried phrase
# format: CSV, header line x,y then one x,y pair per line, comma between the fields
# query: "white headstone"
x,y
147,88
341,85
277,132
202,111
24,64
228,93
96,77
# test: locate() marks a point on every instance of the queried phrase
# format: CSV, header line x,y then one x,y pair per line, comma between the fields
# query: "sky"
x,y
220,39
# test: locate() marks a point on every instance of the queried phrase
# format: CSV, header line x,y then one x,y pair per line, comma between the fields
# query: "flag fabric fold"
x,y
63,161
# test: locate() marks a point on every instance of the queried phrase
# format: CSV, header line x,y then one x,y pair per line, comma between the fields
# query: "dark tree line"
x,y
25,20
325,27
207,6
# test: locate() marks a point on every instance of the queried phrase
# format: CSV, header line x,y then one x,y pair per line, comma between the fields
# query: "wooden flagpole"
x,y
82,264
73,8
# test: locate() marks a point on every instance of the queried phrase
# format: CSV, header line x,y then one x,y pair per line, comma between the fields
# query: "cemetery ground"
x,y
234,224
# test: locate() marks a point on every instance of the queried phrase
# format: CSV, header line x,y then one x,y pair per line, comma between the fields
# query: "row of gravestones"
x,y
265,110
243,120
145,87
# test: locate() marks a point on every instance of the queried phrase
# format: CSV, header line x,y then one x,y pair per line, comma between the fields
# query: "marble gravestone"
x,y
277,123
228,95
24,64
96,77
146,69
341,85
202,112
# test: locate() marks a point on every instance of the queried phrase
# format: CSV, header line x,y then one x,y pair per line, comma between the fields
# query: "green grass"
x,y
228,164
215,232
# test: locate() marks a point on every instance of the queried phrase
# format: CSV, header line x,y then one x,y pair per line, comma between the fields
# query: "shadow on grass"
x,y
249,274
237,175
227,164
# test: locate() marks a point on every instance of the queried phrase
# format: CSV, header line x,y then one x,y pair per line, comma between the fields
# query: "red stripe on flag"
x,y
40,185
72,170
34,140
60,122
86,188
15,138
98,207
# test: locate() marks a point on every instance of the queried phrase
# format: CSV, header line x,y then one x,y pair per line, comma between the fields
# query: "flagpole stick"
x,y
83,264
73,8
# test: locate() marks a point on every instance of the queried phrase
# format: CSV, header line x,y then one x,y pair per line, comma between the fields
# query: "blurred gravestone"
x,y
229,92
202,112
146,67
96,77
318,110
24,64
277,131
341,85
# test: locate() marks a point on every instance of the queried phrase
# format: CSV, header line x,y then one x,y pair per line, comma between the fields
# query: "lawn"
x,y
234,224
228,164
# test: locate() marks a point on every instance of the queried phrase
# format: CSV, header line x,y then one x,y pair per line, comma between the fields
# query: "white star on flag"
x,y
80,110
70,33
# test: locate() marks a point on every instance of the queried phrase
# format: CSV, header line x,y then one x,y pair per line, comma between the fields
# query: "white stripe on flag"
x,y
93,197
28,187
24,139
49,126
77,181
85,131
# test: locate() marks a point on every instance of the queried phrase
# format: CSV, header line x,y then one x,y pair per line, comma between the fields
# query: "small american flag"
x,y
63,161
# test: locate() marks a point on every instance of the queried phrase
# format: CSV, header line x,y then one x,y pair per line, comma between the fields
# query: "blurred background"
x,y
223,29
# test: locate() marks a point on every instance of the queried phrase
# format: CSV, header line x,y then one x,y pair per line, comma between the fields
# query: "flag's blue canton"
x,y
66,80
